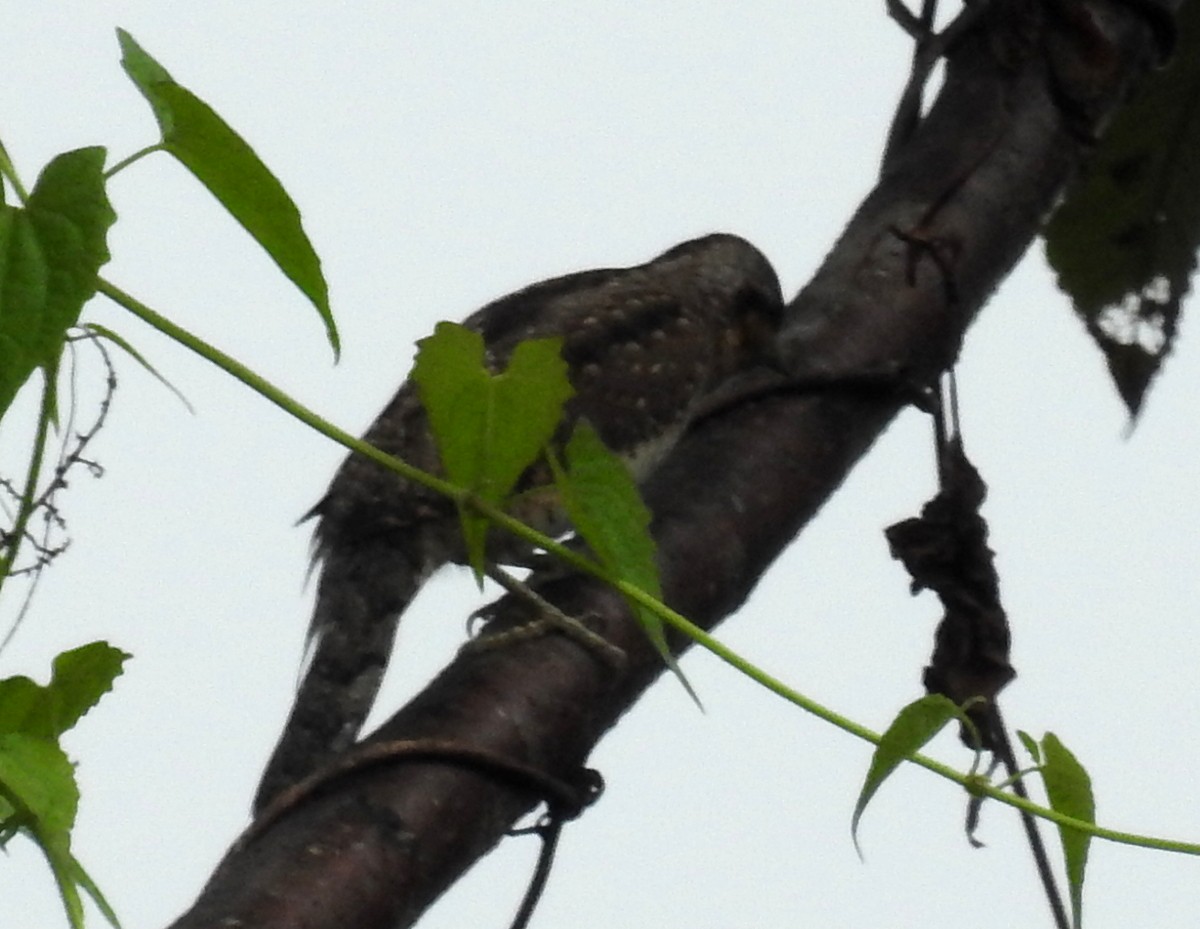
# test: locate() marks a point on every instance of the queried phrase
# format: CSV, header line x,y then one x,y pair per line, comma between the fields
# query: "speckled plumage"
x,y
644,346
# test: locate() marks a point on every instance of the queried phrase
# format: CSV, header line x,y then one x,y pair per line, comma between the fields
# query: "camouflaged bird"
x,y
644,347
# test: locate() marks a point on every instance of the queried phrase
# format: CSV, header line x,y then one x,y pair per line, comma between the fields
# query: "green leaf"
x,y
37,778
453,383
450,375
38,793
81,677
1031,746
222,161
38,781
71,214
526,410
9,822
489,428
605,507
1069,790
50,253
1123,243
23,708
912,728
603,503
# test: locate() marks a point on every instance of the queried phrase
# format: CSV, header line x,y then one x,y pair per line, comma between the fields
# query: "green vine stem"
x,y
499,517
9,171
967,781
136,156
297,410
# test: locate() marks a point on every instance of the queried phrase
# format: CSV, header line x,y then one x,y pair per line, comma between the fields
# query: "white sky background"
x,y
444,154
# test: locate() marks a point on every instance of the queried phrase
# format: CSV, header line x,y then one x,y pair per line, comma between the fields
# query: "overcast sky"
x,y
444,154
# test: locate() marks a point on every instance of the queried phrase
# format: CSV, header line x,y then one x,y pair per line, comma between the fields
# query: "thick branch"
x,y
957,207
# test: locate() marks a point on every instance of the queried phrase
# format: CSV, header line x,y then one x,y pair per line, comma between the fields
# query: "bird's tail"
x,y
360,599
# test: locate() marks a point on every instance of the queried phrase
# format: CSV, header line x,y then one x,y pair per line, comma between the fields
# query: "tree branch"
x,y
958,204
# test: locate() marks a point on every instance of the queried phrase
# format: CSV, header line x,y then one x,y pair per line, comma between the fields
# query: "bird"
x,y
646,347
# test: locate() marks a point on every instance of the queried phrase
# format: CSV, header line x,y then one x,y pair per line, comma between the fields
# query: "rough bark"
x,y
955,209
